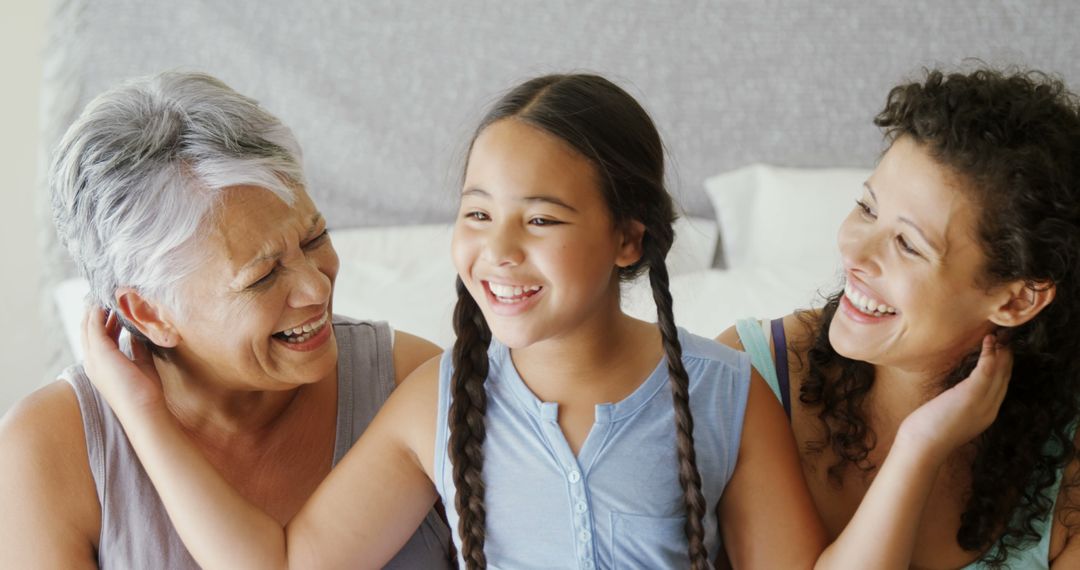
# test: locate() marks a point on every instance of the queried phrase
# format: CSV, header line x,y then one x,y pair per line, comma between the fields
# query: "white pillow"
x,y
708,302
70,297
400,274
770,215
694,246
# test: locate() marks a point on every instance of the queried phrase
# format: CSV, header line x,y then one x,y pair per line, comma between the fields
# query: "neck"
x,y
899,390
210,407
599,356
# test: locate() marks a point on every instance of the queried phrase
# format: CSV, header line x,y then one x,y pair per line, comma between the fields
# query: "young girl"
x,y
548,430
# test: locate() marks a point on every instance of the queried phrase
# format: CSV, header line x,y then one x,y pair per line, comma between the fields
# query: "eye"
x,y
866,211
538,221
477,215
317,241
264,281
905,247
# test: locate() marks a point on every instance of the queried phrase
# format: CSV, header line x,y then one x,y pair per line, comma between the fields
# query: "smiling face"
x,y
912,263
258,308
534,241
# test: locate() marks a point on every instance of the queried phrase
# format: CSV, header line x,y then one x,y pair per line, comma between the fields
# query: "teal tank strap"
x,y
756,345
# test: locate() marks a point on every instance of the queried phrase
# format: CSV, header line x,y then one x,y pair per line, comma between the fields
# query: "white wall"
x,y
22,357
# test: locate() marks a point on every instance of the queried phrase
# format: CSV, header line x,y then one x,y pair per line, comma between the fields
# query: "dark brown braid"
x,y
607,126
689,477
467,425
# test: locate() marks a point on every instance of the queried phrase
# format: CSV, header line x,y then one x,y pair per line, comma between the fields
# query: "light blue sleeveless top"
x,y
618,503
1034,557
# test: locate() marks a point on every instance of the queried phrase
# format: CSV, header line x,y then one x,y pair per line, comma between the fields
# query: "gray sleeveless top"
x,y
135,529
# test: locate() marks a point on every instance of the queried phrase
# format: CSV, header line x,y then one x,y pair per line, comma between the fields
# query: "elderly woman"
x,y
968,227
183,204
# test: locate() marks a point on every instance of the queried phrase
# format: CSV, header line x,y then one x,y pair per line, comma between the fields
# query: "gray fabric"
x,y
383,94
135,529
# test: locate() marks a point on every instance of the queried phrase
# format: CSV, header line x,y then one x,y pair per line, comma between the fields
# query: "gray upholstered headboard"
x,y
383,93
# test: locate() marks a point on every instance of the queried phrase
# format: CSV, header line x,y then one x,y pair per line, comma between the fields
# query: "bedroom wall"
x,y
22,354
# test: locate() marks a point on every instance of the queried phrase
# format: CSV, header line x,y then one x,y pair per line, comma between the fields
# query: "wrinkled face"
x,y
259,307
534,241
912,261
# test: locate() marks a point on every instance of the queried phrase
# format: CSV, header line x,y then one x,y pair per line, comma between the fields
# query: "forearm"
x,y
220,527
882,532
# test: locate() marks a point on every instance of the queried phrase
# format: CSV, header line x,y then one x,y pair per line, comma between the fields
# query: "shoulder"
x,y
46,426
696,347
717,373
415,399
800,329
410,352
730,338
1065,531
45,481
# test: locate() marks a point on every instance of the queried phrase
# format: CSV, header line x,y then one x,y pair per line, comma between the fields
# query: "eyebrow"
x,y
538,198
909,222
275,254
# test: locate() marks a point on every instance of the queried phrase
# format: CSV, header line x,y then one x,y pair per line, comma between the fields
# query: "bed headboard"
x,y
383,94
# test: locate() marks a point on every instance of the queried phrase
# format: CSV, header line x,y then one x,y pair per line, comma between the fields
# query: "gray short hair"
x,y
142,167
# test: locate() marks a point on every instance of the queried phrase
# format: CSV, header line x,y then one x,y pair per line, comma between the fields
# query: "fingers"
x,y
83,328
142,357
112,326
92,326
993,371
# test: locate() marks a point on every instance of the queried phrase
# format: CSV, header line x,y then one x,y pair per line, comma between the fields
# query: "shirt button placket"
x,y
581,507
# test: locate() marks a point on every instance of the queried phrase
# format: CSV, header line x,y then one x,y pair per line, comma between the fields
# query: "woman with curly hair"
x,y
968,227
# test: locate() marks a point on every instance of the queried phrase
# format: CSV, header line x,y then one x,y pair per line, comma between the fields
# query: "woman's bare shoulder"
x,y
410,351
799,328
46,485
48,421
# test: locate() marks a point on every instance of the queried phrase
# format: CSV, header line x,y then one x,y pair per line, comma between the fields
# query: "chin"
x,y
318,369
845,342
515,340
514,337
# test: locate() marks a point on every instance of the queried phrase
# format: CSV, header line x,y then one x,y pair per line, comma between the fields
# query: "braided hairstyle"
x,y
606,125
1014,137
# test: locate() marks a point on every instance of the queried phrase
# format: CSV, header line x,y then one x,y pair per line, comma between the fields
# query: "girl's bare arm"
x,y
362,514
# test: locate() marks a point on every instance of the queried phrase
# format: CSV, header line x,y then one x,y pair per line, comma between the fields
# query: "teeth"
x,y
510,291
304,332
866,304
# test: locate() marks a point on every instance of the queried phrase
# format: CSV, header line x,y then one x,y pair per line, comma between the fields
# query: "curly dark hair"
x,y
606,125
1014,138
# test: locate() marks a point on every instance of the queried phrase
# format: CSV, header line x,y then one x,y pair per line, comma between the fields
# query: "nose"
x,y
311,285
860,247
502,246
